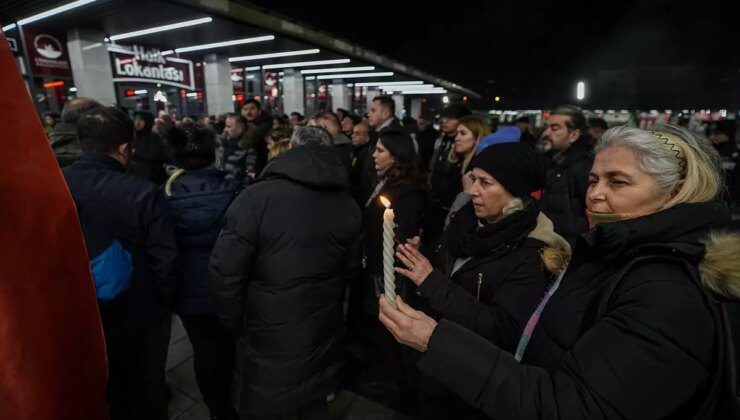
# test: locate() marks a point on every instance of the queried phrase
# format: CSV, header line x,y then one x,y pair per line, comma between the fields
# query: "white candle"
x,y
389,274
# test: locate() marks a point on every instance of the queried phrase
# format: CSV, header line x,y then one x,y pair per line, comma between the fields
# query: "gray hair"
x,y
681,162
310,135
74,109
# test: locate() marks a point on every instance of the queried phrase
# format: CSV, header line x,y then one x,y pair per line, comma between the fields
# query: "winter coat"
x,y
111,203
343,145
261,126
494,293
426,139
65,143
565,190
278,273
446,184
653,348
197,202
361,155
237,156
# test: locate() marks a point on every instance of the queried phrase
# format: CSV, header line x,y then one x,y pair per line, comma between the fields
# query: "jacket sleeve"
x,y
232,259
501,319
645,359
409,210
161,245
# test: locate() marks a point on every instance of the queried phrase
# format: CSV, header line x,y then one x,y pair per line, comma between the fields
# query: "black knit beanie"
x,y
515,166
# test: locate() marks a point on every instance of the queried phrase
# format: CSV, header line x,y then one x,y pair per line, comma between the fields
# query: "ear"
x,y
574,135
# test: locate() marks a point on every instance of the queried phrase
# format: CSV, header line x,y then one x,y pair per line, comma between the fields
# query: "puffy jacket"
x,y
279,271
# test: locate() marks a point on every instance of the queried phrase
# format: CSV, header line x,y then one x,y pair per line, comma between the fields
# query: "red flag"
x,y
52,351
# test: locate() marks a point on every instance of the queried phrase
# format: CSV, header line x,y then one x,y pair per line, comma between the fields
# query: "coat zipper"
x,y
480,280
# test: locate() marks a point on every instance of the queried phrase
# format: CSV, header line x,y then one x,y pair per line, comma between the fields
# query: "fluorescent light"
x,y
306,64
192,95
163,28
274,55
168,52
226,43
406,87
446,99
9,27
73,89
356,75
425,92
140,91
282,73
338,70
580,91
311,78
415,82
55,11
255,68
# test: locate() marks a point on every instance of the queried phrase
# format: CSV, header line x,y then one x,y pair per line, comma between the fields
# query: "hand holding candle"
x,y
389,278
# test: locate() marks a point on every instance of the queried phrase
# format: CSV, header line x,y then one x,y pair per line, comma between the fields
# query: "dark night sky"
x,y
630,53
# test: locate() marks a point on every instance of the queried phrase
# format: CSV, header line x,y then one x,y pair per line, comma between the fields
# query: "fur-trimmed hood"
x,y
556,255
720,268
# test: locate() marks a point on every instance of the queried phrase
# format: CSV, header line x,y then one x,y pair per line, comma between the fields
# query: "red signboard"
x,y
47,52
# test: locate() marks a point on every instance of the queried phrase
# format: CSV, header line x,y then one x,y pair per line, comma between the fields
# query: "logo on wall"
x,y
47,52
141,64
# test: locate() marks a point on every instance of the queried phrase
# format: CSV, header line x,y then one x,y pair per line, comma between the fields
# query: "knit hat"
x,y
515,166
509,134
455,111
192,147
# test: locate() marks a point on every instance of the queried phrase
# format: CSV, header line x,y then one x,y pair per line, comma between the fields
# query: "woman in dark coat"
x,y
633,329
197,197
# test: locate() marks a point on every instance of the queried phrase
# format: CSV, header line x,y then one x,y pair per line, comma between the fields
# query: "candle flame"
x,y
385,202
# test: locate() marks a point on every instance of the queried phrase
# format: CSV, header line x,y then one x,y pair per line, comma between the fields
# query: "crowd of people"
x,y
580,273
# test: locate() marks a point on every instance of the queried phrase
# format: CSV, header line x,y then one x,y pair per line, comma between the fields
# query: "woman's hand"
x,y
418,266
410,327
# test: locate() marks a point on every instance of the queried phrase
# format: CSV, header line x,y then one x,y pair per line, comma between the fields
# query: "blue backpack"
x,y
111,271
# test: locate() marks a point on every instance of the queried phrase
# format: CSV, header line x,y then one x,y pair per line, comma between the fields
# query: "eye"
x,y
618,182
593,181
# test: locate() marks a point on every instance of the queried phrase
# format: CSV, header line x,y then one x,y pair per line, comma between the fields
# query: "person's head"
x,y
504,176
143,121
522,123
470,130
235,126
252,109
638,172
278,148
341,113
329,121
423,122
361,134
279,123
381,110
596,128
275,136
312,134
295,119
395,156
193,147
51,118
722,131
564,127
349,122
204,121
451,118
107,130
76,107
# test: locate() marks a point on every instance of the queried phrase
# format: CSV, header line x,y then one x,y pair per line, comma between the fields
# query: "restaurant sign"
x,y
135,63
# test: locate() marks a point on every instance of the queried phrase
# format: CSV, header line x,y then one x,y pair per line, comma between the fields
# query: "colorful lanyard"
x,y
535,318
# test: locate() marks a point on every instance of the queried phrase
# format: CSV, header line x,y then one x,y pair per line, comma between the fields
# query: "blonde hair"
x,y
279,147
682,163
480,129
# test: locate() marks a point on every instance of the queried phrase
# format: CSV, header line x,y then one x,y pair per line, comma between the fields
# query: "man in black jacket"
x,y
567,177
261,122
278,273
125,218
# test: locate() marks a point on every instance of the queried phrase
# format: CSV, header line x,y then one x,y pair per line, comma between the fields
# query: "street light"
x,y
580,91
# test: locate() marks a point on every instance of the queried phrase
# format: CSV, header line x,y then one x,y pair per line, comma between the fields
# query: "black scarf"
x,y
464,238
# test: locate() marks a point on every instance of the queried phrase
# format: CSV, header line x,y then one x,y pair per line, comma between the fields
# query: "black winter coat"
x,y
565,190
134,211
493,295
197,201
653,354
279,271
446,183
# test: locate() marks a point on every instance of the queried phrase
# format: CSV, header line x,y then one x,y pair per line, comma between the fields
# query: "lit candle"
x,y
389,274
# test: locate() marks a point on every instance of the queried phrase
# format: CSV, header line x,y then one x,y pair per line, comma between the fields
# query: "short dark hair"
x,y
76,107
598,122
577,121
103,129
326,115
192,147
252,101
239,118
387,102
297,114
401,147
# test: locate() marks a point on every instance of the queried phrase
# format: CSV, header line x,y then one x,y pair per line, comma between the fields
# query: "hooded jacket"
x,y
655,352
278,273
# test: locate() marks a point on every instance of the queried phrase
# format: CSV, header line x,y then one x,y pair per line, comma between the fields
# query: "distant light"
x,y
192,95
427,92
446,99
274,55
55,11
413,82
73,89
311,78
9,27
161,28
580,91
338,70
225,43
355,75
106,39
253,68
168,52
307,63
140,91
497,99
53,84
233,97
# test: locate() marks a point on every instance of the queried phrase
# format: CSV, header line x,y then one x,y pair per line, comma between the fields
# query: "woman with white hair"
x,y
633,328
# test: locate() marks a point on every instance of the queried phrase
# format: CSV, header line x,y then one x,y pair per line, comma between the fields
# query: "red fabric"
x,y
52,351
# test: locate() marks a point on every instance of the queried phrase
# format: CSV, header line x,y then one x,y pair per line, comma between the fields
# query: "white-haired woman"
x,y
633,328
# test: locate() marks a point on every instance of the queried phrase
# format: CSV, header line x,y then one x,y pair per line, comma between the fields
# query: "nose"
x,y
596,193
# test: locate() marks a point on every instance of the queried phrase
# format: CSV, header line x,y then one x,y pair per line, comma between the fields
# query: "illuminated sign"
x,y
140,64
